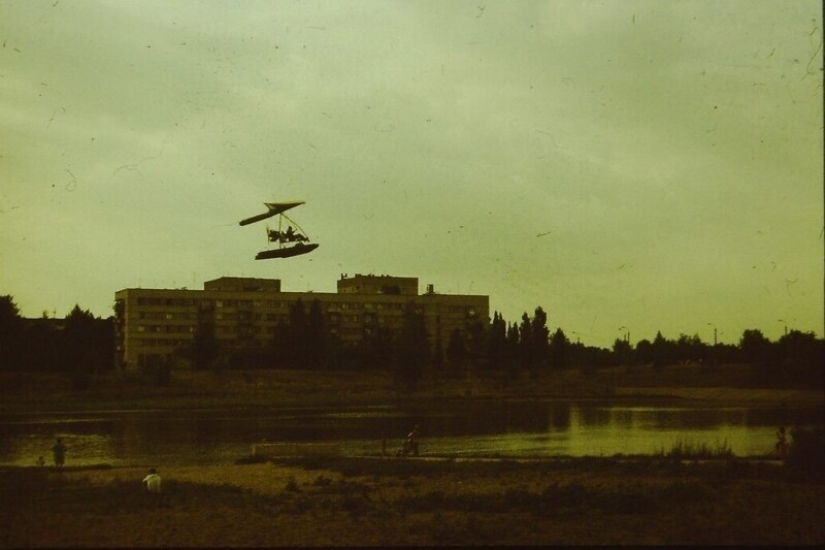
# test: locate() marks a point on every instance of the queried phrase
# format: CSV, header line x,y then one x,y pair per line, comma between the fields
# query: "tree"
x,y
43,344
661,350
644,352
512,352
205,346
456,353
87,346
496,341
79,341
291,341
690,348
376,348
803,359
802,349
755,347
525,334
622,351
315,337
540,339
412,348
559,347
11,334
474,341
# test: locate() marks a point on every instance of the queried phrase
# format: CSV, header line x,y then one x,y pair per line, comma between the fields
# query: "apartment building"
x,y
154,323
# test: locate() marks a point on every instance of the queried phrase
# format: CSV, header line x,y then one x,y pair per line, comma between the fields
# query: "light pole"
x,y
714,333
784,322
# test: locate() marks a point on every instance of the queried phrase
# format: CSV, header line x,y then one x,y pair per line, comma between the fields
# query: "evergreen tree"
x,y
525,333
540,339
512,350
475,343
559,346
496,341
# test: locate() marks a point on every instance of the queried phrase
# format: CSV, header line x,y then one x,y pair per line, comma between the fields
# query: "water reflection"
x,y
497,427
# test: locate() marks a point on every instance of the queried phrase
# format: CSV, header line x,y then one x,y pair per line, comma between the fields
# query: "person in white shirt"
x,y
152,481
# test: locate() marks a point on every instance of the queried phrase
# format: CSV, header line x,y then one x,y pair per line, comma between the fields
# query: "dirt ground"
x,y
403,502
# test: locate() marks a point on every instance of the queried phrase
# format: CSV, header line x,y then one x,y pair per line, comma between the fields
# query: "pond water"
x,y
513,429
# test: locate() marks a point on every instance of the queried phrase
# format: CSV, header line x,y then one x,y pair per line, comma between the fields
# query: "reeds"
x,y
688,450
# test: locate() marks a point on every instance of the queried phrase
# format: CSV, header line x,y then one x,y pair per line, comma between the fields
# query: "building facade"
x,y
156,323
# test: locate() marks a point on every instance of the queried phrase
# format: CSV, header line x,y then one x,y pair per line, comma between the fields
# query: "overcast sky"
x,y
629,166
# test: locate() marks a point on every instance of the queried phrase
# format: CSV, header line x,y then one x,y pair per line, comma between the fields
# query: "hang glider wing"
x,y
273,209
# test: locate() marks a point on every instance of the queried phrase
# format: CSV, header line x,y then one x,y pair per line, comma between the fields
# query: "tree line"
x,y
83,345
80,344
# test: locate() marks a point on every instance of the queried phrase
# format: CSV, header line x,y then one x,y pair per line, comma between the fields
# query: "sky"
x,y
629,166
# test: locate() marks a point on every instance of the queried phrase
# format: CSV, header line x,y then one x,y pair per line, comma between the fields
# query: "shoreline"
x,y
119,393
685,396
692,397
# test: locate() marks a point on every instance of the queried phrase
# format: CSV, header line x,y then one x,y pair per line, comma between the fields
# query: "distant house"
x,y
153,323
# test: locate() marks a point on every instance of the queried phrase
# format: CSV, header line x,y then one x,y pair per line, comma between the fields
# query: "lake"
x,y
514,429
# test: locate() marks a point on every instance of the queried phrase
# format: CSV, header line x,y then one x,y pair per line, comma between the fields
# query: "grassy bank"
x,y
295,388
387,502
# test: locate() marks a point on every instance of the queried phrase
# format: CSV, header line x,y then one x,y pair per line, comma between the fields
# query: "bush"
x,y
806,454
157,373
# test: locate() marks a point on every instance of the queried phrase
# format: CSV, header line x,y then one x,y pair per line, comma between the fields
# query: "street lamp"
x,y
784,322
626,335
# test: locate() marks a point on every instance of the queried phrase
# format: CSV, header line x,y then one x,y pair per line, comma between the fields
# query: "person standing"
x,y
411,445
59,451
